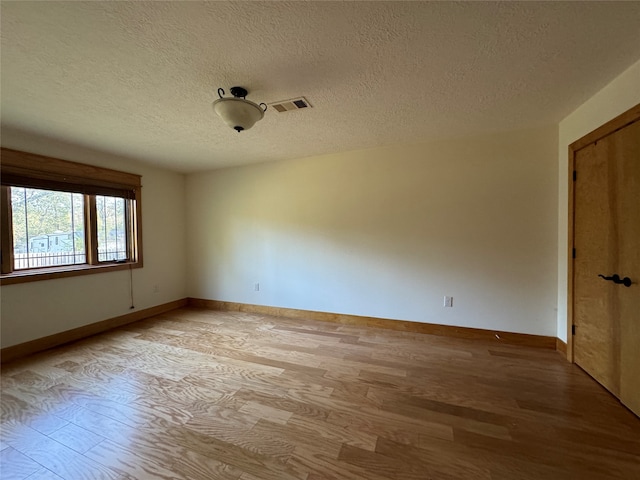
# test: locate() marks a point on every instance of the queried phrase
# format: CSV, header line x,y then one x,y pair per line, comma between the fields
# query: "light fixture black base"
x,y
239,92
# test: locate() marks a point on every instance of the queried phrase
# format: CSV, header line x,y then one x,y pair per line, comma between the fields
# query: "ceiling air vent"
x,y
289,105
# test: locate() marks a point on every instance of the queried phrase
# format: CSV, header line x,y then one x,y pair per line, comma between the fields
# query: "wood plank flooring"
x,y
201,394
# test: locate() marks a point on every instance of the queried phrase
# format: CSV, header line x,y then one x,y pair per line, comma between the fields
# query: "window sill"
x,y
49,273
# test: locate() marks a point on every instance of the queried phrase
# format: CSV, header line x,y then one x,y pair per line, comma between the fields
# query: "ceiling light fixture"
x,y
238,112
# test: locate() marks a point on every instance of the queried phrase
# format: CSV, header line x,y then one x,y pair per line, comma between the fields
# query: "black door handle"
x,y
615,278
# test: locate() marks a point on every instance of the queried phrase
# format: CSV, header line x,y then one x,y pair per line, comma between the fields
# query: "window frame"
x,y
38,171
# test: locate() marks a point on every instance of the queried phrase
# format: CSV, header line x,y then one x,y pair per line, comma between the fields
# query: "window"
x,y
112,239
48,228
63,218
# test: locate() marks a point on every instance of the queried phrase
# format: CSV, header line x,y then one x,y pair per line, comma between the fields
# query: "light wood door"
x,y
607,242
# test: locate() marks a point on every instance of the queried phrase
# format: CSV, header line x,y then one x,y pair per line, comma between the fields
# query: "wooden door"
x,y
606,315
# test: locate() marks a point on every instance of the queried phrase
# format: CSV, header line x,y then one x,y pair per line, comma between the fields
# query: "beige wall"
x,y
617,97
384,232
388,232
38,309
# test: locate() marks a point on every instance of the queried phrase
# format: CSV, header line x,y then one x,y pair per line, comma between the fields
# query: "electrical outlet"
x,y
448,301
256,287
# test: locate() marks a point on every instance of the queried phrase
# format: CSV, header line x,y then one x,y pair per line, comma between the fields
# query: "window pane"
x,y
48,228
112,228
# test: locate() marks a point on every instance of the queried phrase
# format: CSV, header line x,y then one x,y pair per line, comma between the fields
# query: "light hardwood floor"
x,y
200,394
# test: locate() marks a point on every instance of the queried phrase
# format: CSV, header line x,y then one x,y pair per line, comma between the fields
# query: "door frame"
x,y
608,128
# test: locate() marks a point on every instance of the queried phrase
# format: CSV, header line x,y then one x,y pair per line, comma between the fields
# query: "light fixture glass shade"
x,y
239,113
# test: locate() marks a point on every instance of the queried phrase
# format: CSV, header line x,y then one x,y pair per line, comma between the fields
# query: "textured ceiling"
x,y
137,79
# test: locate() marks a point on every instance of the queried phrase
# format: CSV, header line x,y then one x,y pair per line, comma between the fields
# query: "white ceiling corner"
x,y
138,78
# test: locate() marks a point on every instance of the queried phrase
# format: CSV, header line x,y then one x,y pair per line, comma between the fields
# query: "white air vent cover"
x,y
289,105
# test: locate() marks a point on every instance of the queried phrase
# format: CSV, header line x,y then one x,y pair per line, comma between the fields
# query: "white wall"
x,y
616,98
37,309
384,232
388,232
